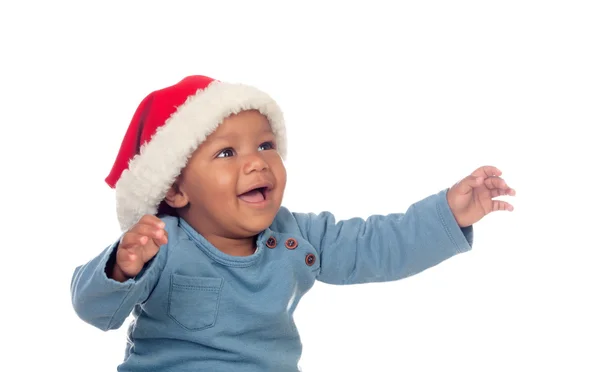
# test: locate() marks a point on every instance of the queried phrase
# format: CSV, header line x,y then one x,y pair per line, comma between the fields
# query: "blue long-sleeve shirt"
x,y
198,309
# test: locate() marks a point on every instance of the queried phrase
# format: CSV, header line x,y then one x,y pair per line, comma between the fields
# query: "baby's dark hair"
x,y
165,209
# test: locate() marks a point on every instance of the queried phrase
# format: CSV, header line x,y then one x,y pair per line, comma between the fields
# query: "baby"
x,y
211,265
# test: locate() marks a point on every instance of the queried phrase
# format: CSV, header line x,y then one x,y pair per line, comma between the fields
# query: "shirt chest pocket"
x,y
194,301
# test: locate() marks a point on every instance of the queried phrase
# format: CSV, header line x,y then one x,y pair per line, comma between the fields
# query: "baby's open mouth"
x,y
256,195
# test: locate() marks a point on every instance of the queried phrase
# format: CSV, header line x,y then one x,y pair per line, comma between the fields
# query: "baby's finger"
x,y
133,239
164,239
150,230
468,183
130,262
127,256
501,205
487,171
497,183
152,220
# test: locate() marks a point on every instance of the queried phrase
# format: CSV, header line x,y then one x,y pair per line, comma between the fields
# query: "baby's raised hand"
x,y
474,196
138,246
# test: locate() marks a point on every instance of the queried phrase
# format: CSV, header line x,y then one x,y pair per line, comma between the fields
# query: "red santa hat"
x,y
167,127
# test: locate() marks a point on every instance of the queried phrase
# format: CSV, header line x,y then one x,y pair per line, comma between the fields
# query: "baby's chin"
x,y
257,227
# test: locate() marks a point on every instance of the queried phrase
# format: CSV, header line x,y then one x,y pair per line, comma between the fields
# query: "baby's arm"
x,y
385,248
102,296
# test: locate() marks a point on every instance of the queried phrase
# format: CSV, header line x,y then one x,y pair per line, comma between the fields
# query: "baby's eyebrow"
x,y
231,136
219,138
268,131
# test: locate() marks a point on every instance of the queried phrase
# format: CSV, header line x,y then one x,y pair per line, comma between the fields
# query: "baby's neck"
x,y
233,247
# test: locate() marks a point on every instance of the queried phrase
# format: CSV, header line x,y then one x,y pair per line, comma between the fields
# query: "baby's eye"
x,y
266,146
226,153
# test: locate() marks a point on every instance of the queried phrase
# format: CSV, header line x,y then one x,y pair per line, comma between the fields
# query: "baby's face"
x,y
235,180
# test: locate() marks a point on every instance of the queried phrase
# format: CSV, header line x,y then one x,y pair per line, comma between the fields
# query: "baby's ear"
x,y
175,198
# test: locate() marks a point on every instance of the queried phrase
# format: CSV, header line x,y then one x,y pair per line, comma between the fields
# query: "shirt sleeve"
x,y
104,302
385,248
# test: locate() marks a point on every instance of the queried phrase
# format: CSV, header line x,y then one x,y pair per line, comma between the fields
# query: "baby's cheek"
x,y
224,182
278,168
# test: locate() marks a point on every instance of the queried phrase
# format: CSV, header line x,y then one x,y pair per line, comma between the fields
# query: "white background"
x,y
385,103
